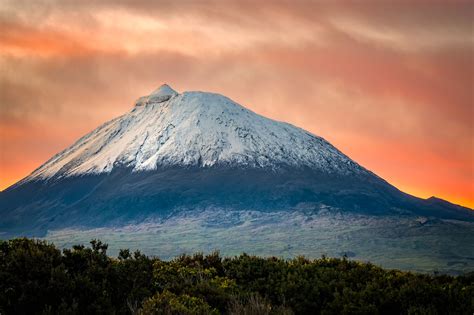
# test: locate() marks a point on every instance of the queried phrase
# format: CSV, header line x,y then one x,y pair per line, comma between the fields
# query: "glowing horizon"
x,y
388,84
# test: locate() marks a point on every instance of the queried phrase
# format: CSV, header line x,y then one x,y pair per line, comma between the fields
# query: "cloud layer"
x,y
390,84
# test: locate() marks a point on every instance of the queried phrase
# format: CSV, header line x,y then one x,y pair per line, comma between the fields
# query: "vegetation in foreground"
x,y
38,278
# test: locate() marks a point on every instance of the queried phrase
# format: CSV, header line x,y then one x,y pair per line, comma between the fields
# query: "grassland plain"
x,y
403,242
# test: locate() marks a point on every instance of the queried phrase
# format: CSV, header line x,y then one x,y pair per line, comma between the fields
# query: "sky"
x,y
389,83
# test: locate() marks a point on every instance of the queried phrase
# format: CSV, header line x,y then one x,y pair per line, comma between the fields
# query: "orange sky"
x,y
388,83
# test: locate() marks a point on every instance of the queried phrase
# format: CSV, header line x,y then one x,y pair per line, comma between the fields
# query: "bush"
x,y
167,303
38,278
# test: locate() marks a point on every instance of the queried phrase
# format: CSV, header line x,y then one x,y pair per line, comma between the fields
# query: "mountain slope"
x,y
181,152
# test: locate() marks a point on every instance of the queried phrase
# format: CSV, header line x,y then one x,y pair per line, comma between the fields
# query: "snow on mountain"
x,y
193,129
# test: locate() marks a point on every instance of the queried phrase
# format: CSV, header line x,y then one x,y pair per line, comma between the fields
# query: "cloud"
x,y
366,76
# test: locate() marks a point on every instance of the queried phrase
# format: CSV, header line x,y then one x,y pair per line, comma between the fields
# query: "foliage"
x,y
167,303
36,277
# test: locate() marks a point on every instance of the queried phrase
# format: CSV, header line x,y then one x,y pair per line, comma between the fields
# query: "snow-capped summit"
x,y
194,129
164,90
161,94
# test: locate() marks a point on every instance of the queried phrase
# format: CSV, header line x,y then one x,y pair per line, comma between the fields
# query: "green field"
x,y
402,242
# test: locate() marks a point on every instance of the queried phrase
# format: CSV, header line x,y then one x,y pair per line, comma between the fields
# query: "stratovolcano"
x,y
178,152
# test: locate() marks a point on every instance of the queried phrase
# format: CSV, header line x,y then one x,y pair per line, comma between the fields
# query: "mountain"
x,y
178,154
